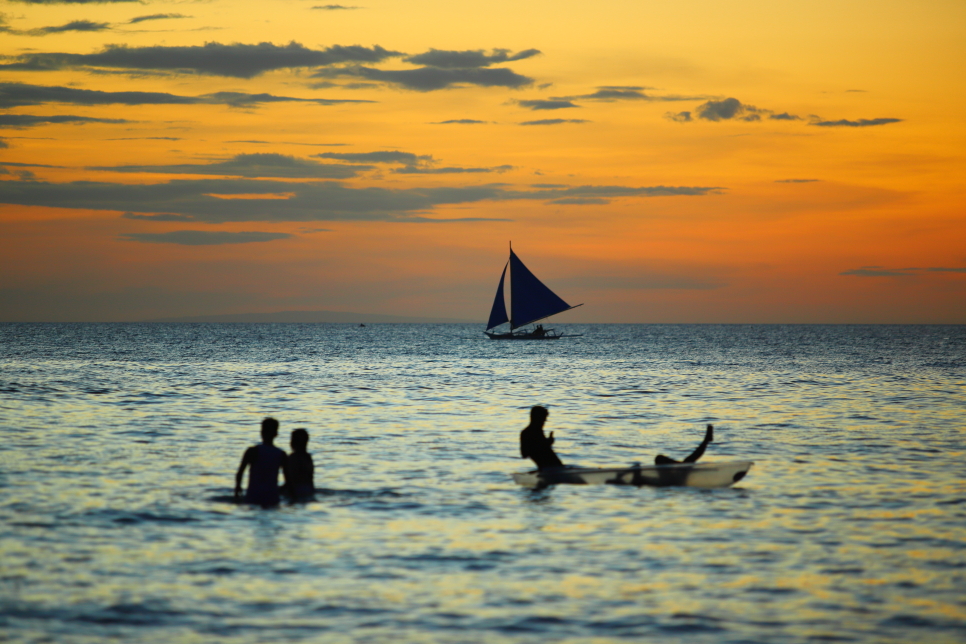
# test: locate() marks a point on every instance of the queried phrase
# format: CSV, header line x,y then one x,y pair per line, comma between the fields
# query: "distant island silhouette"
x,y
313,317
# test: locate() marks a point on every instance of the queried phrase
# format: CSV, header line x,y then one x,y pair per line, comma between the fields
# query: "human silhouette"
x,y
265,461
534,444
299,473
661,459
539,331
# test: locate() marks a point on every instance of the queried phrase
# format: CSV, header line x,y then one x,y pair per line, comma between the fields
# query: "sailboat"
x,y
530,301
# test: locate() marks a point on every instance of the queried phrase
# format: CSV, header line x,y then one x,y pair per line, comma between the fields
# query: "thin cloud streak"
x,y
203,237
240,200
858,123
428,79
251,165
554,121
30,120
446,59
235,60
21,94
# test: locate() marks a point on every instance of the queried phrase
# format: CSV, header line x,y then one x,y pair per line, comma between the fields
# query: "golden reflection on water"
x,y
851,517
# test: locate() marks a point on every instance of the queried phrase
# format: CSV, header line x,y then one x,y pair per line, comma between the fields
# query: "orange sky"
x,y
687,161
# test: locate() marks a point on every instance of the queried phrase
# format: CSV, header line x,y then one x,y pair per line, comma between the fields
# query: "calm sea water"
x,y
120,443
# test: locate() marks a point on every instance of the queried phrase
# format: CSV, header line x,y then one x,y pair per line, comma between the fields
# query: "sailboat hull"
x,y
550,335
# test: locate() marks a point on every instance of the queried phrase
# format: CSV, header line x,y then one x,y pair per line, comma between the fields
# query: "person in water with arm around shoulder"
x,y
534,444
265,461
299,476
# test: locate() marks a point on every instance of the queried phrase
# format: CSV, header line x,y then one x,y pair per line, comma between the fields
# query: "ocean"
x,y
119,444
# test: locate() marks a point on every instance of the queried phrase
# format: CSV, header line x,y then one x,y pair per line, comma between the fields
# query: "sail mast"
x,y
510,317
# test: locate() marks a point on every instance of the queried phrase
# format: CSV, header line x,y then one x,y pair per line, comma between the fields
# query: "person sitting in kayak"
x,y
661,459
299,482
265,461
534,444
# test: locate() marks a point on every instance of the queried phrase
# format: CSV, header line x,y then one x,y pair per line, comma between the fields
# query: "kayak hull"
x,y
702,475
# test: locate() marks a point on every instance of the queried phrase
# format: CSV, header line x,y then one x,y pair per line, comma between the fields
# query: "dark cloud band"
x,y
239,200
20,94
251,165
468,58
235,60
427,79
203,237
858,123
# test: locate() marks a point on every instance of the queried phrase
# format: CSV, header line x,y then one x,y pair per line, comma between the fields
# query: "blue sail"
x,y
498,313
530,300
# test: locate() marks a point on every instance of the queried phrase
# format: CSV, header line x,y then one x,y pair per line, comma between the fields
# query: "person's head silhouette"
x,y
269,429
300,440
538,414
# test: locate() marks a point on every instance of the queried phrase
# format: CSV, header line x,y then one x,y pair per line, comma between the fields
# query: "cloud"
x,y
161,216
876,271
554,121
156,16
240,200
784,116
617,93
427,79
334,7
20,94
601,192
235,60
468,58
252,165
612,93
3,146
581,201
546,105
382,156
733,109
239,99
203,237
30,120
859,123
459,122
796,180
76,25
450,170
727,109
412,163
879,271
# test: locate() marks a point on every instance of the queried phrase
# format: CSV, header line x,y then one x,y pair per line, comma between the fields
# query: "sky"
x,y
688,161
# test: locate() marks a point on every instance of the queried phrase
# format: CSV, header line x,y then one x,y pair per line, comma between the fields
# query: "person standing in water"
x,y
661,459
534,444
265,461
299,474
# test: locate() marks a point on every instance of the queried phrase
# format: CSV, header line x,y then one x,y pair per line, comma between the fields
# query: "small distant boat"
x,y
704,475
530,301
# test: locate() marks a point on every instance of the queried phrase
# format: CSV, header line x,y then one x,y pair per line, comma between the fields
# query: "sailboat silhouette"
x,y
530,301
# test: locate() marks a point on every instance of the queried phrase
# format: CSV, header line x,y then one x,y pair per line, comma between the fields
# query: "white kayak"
x,y
706,475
